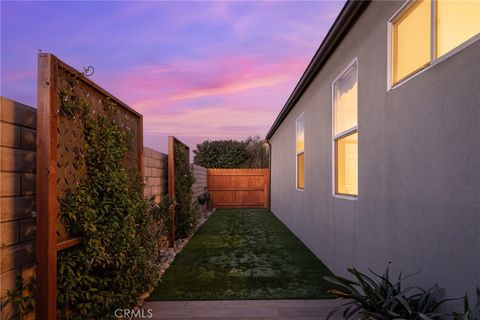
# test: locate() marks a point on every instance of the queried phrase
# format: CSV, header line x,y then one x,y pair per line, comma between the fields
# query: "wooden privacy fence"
x,y
60,146
239,188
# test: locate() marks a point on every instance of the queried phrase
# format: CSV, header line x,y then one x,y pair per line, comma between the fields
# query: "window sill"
x,y
435,62
344,197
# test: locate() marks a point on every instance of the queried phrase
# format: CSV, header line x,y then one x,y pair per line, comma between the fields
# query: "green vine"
x,y
185,216
114,263
22,297
120,231
71,103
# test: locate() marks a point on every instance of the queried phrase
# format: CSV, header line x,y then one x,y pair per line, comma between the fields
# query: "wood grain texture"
x,y
68,243
60,143
46,250
237,188
172,141
171,190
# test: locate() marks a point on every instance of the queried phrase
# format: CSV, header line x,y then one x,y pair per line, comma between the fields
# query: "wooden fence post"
x,y
171,190
46,198
53,174
266,187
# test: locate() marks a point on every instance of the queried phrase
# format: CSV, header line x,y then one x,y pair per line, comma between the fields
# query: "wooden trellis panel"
x,y
60,144
172,142
239,188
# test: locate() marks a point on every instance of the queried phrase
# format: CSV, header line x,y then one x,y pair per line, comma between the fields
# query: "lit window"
x,y
411,40
300,146
301,170
413,34
345,135
457,21
347,164
346,100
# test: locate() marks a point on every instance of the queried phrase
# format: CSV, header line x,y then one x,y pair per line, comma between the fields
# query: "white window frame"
x,y
297,153
433,44
345,133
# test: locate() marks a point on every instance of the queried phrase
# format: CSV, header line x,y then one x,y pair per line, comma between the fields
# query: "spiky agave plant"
x,y
378,297
469,313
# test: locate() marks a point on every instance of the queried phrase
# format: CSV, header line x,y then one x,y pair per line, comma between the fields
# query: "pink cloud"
x,y
196,125
208,122
14,76
197,70
152,86
212,98
233,86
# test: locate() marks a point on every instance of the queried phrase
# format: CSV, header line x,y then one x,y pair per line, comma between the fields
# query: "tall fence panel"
x,y
239,188
174,145
60,144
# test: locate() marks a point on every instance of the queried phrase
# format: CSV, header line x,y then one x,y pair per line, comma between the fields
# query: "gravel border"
x,y
167,255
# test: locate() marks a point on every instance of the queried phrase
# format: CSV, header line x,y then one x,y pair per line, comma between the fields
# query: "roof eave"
x,y
347,17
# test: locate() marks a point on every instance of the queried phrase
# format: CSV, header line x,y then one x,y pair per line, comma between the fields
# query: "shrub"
x,y
250,153
221,154
259,153
381,298
22,296
114,262
185,215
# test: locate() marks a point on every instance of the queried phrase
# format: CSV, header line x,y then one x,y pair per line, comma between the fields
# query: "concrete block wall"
x,y
200,174
155,166
18,124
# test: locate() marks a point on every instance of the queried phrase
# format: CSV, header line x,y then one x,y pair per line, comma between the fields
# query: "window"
x,y
345,135
300,148
411,36
417,42
457,21
347,164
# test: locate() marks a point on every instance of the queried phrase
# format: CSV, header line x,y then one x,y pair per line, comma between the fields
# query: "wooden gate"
x,y
239,188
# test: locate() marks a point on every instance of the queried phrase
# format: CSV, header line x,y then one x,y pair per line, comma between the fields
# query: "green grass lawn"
x,y
243,254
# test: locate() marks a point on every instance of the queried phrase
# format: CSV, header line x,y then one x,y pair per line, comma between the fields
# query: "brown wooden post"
x,y
48,243
46,198
266,187
140,152
171,190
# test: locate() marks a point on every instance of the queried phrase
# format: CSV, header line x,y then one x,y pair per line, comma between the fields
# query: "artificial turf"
x,y
243,254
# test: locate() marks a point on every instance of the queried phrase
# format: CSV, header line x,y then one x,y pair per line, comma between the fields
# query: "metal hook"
x,y
88,71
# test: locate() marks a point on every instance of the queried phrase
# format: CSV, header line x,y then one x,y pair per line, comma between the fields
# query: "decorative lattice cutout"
x,y
71,141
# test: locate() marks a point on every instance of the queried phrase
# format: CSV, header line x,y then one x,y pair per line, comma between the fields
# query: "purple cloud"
x,y
197,70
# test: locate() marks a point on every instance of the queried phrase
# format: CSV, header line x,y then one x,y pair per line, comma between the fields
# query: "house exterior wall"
x,y
419,165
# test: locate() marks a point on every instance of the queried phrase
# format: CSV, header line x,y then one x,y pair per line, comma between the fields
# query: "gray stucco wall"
x,y
419,165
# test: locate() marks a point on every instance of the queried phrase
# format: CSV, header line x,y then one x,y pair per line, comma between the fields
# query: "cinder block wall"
x,y
18,124
155,166
200,174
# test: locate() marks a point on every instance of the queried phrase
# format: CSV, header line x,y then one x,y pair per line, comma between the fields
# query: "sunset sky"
x,y
196,70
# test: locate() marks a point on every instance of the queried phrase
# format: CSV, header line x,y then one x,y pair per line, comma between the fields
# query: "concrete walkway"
x,y
242,309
